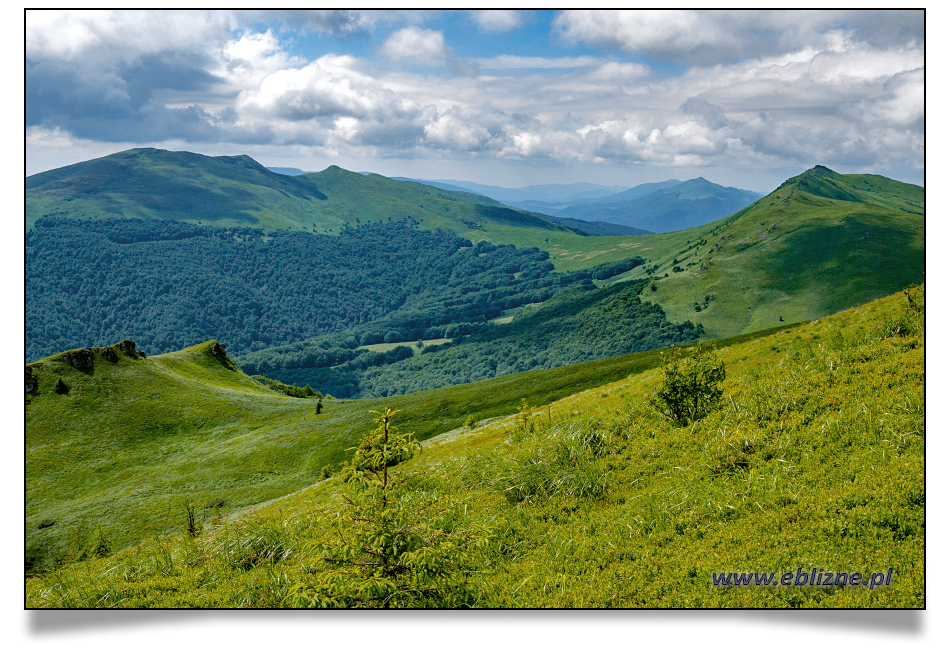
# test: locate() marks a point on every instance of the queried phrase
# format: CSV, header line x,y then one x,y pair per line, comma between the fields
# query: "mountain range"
x,y
666,209
217,268
666,206
176,304
565,192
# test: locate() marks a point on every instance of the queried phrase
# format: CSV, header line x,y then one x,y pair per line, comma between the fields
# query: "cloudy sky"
x,y
509,98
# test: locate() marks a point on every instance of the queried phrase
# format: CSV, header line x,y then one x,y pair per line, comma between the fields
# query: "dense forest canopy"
x,y
168,284
581,324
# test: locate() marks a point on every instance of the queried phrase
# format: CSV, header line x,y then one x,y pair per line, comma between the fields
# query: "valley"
x,y
292,303
536,339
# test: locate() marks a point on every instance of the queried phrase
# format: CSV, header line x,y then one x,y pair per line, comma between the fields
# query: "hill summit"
x,y
237,191
820,243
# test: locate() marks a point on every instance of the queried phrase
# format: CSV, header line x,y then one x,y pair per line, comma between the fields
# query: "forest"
x,y
581,324
168,285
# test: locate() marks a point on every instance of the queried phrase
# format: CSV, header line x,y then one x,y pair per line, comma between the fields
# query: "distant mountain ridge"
x,y
289,171
677,207
237,191
508,195
633,193
664,206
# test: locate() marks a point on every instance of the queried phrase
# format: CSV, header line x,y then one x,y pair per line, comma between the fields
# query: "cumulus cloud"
x,y
673,34
118,36
471,130
511,62
330,99
497,20
767,89
712,37
417,45
123,75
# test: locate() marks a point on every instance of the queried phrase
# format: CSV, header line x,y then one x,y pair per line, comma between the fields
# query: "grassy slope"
x,y
237,191
815,461
232,191
820,243
352,196
131,442
157,184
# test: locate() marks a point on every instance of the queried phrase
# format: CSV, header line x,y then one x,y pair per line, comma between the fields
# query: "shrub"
x,y
524,415
692,387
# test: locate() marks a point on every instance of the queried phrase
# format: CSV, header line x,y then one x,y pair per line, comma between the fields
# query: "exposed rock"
x,y
217,351
32,381
110,355
127,348
61,387
81,359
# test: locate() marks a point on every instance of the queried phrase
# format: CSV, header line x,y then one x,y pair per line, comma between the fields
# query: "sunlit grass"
x,y
814,460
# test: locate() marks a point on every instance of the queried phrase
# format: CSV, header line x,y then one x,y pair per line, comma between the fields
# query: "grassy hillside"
x,y
126,443
814,461
236,191
232,191
157,184
820,243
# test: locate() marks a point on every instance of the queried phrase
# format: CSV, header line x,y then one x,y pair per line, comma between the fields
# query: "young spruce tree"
x,y
390,548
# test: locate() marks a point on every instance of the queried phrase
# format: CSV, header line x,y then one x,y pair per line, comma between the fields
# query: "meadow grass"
x,y
813,461
793,256
131,443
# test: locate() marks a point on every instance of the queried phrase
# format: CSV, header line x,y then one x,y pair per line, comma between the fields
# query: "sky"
x,y
512,98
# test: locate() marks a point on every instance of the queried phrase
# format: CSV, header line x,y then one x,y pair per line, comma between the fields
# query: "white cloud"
x,y
454,131
711,37
674,34
497,20
822,90
615,72
245,62
904,102
122,35
511,62
330,101
327,87
418,45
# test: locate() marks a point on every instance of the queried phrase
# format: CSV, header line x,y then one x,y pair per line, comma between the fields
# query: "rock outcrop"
x,y
217,351
81,359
